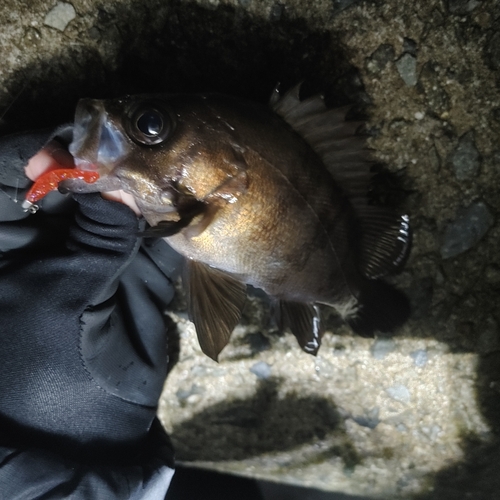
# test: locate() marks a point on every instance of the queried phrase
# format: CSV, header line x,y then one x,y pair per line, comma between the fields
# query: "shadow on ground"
x,y
266,422
156,48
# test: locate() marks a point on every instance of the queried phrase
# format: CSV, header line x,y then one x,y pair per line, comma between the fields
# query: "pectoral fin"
x,y
304,322
215,302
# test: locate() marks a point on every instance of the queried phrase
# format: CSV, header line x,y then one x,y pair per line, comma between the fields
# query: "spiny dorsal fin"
x,y
215,302
335,140
384,237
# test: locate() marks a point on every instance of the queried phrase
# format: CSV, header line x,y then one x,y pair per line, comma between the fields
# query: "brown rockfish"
x,y
274,197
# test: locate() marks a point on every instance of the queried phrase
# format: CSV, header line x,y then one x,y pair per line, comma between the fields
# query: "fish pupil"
x,y
150,123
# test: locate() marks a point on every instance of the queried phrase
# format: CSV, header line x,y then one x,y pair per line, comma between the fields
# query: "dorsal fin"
x,y
384,236
343,151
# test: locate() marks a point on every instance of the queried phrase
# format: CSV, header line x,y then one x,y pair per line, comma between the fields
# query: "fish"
x,y
273,196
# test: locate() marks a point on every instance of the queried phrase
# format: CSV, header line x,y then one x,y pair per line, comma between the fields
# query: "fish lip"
x,y
98,144
83,164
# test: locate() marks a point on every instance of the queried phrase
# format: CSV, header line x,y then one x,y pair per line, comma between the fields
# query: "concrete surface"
x,y
416,416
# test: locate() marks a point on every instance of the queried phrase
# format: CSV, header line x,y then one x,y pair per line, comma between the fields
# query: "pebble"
x,y
399,392
60,16
420,357
465,158
407,69
261,370
382,347
183,394
466,230
369,419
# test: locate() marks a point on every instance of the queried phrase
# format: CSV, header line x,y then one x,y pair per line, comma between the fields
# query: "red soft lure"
x,y
50,180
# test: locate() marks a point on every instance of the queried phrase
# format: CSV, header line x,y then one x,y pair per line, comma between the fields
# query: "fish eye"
x,y
149,124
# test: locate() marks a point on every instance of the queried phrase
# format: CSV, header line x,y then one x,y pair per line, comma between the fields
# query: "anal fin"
x,y
215,303
305,323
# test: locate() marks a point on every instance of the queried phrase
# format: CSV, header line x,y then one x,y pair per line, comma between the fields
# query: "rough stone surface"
x,y
462,7
494,50
380,58
430,84
327,421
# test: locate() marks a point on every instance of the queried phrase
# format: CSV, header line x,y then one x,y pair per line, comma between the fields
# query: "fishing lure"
x,y
49,181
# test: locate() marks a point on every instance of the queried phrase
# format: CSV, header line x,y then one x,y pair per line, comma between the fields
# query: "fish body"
x,y
274,198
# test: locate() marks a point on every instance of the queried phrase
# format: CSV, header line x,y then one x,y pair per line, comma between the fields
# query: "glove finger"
x,y
15,152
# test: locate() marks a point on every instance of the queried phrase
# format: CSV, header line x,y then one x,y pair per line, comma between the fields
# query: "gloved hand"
x,y
83,353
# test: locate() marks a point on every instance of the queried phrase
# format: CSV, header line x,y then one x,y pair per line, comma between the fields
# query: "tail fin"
x,y
381,308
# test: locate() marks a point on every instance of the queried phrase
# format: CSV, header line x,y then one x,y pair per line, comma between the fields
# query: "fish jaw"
x,y
98,142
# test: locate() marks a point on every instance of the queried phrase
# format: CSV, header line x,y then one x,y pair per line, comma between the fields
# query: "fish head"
x,y
165,150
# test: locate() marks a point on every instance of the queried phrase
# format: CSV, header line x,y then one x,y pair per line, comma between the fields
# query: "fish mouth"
x,y
97,143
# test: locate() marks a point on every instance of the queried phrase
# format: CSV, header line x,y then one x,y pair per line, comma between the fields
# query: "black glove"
x,y
83,352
